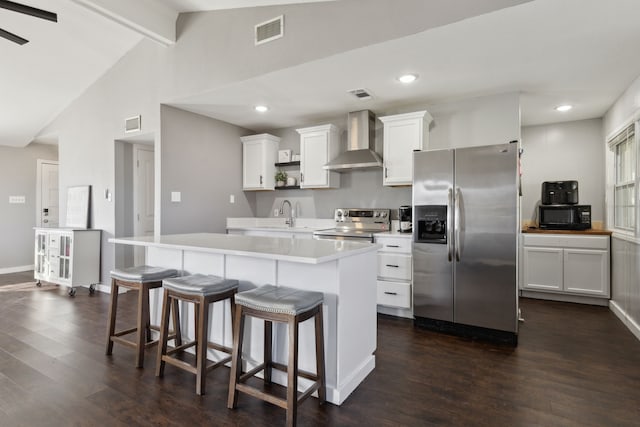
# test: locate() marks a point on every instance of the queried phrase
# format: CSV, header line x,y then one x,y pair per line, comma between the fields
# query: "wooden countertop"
x,y
590,232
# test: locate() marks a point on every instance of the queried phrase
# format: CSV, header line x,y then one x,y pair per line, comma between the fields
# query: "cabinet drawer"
x,y
394,244
394,294
566,241
394,266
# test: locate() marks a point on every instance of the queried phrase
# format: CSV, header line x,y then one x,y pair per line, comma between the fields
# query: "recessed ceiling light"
x,y
407,78
563,108
261,108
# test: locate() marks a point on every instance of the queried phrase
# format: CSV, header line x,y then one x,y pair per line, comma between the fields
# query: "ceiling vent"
x,y
132,124
269,30
361,93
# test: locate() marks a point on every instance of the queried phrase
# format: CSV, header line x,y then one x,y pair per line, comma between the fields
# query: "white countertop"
x,y
307,251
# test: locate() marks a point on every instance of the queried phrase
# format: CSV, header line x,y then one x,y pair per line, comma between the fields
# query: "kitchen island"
x,y
344,271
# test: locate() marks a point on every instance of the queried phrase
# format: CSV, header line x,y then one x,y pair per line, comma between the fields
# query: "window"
x,y
625,146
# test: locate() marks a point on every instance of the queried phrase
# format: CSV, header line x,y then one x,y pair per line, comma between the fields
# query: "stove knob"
x,y
339,212
383,214
346,214
376,214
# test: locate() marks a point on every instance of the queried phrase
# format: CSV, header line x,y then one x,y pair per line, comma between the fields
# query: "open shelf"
x,y
288,164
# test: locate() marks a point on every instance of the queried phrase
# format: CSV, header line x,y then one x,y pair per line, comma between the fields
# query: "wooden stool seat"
x,y
287,305
201,290
142,279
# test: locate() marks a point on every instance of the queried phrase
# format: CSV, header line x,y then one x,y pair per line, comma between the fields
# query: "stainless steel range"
x,y
356,224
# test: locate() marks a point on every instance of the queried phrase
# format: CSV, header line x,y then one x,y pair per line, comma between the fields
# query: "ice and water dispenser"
x,y
431,223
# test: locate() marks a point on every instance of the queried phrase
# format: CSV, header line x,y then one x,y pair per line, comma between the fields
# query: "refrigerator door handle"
x,y
449,227
456,202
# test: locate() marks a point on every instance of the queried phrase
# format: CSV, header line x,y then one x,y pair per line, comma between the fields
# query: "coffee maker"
x,y
404,216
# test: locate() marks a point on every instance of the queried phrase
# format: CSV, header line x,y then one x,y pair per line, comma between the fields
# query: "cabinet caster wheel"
x,y
39,284
92,289
72,292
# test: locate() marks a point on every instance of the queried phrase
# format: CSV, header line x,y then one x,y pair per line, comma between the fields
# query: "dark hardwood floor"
x,y
575,366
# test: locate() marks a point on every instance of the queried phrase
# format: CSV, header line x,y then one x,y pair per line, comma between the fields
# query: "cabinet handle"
x,y
391,293
393,246
392,265
385,172
260,179
301,177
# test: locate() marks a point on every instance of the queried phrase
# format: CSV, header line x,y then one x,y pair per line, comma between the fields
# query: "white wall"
x,y
625,256
201,159
18,178
560,152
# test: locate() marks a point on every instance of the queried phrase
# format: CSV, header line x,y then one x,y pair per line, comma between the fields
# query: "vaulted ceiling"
x,y
551,51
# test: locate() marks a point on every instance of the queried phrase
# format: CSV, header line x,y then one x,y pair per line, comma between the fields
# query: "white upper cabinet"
x,y
259,153
403,134
318,145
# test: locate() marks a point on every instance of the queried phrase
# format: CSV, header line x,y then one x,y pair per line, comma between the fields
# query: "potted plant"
x,y
281,178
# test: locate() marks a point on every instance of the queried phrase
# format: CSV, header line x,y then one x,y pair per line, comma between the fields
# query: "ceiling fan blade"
x,y
28,10
10,36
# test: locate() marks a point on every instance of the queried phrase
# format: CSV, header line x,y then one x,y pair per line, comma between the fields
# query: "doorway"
x,y
143,195
134,195
47,208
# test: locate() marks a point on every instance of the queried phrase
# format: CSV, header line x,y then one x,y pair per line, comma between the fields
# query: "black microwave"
x,y
564,217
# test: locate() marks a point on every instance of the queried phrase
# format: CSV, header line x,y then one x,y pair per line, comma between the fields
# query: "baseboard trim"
x,y
624,317
16,269
578,299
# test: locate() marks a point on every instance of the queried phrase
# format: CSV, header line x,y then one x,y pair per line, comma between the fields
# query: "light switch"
x,y
176,196
232,198
17,199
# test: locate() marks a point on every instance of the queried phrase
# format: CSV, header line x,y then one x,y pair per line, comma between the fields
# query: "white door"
x,y
400,139
143,196
313,155
543,269
47,193
253,159
586,271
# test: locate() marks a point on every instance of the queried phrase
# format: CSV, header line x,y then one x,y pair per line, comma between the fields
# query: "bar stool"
x,y
278,304
202,290
142,279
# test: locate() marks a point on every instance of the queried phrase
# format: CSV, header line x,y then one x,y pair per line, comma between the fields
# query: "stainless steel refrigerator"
x,y
465,236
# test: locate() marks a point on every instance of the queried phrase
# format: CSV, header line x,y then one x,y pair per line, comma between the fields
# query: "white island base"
x,y
344,271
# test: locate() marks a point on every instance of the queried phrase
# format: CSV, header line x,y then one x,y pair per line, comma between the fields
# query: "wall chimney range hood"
x,y
360,152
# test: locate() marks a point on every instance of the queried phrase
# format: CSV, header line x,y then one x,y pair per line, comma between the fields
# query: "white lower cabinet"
x,y
67,257
567,264
394,294
394,275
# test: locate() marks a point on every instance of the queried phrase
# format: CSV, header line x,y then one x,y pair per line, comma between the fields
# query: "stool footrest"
x,y
129,343
214,365
304,374
151,343
216,346
251,373
252,391
179,363
181,347
124,332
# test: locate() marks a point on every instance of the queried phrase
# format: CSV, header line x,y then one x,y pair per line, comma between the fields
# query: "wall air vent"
x,y
270,30
132,124
361,93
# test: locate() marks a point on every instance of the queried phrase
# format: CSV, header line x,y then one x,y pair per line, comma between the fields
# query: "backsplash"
x,y
358,189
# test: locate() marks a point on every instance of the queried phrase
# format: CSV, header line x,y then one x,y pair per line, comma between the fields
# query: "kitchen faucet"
x,y
289,220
